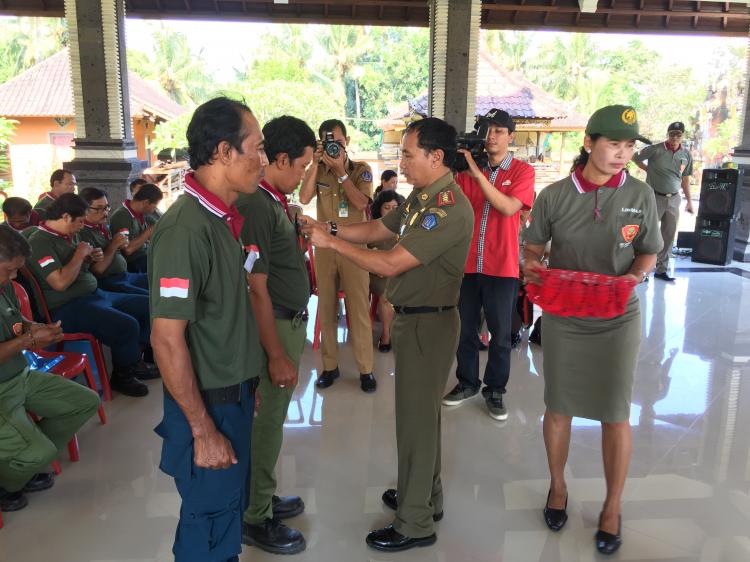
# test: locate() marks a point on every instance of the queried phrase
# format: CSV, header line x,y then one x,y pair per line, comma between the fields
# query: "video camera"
x,y
473,141
331,147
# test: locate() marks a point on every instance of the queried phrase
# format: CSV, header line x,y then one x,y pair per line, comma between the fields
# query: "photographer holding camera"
x,y
344,191
498,191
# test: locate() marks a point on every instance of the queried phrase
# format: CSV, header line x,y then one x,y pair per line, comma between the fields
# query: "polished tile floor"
x,y
687,499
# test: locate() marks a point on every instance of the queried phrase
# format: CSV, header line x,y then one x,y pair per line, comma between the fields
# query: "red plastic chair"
x,y
314,289
96,347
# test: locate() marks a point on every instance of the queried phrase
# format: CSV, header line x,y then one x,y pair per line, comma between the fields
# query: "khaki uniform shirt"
x,y
435,225
332,203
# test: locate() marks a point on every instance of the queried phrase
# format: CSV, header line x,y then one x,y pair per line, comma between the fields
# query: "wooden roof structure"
x,y
706,17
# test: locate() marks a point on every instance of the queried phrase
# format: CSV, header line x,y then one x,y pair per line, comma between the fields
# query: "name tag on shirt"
x,y
252,256
343,209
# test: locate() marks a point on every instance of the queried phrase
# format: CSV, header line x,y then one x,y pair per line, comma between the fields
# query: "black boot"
x,y
125,382
286,507
39,482
12,501
273,536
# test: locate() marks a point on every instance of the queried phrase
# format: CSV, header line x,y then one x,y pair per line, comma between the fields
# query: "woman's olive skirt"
x,y
589,364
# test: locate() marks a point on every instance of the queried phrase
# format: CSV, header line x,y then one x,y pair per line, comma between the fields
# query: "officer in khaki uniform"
x,y
344,191
425,268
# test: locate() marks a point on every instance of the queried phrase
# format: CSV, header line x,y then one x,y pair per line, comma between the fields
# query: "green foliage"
x,y
171,135
728,133
6,132
26,41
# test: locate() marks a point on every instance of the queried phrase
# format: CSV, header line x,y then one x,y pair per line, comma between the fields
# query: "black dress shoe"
x,y
390,499
607,543
12,501
146,372
389,539
126,383
555,518
368,383
287,506
326,378
664,277
384,347
274,537
39,482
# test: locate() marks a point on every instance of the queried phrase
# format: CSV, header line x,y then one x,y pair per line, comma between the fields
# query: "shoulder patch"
x,y
429,221
445,199
366,175
439,212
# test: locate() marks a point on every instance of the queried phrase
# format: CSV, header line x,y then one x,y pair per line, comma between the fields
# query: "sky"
x,y
228,45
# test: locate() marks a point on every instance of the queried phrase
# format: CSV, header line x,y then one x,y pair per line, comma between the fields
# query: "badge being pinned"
x,y
446,199
174,287
629,231
253,254
429,222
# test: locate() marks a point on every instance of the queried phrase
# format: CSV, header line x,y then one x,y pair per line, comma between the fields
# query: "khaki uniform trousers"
x,y
268,425
668,213
27,447
424,346
333,271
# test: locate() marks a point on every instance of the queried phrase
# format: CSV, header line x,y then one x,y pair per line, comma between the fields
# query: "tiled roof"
x,y
510,91
45,90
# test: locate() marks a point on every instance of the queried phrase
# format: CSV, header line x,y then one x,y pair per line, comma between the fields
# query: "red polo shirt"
x,y
494,245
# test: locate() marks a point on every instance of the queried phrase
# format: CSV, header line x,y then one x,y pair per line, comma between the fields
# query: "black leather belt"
x,y
421,309
225,395
666,194
283,313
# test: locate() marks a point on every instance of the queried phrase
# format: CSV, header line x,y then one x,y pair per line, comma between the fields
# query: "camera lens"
x,y
332,149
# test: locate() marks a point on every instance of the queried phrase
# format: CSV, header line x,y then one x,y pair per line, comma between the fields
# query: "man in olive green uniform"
x,y
204,334
425,270
130,219
668,166
60,183
344,191
279,291
63,405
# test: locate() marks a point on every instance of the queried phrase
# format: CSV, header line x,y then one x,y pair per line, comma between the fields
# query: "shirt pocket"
x,y
628,227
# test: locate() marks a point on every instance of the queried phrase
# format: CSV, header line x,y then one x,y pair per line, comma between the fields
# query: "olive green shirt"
x,y
666,168
123,218
51,252
435,225
280,256
196,272
43,205
97,239
10,316
333,204
628,226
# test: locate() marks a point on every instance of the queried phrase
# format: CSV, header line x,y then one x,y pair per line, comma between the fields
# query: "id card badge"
x,y
343,209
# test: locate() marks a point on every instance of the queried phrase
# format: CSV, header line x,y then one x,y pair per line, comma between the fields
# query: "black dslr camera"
x,y
331,147
473,141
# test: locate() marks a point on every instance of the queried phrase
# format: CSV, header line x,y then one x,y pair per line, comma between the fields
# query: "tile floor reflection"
x,y
687,499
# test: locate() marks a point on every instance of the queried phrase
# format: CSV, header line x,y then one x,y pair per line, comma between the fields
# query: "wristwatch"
x,y
342,179
334,228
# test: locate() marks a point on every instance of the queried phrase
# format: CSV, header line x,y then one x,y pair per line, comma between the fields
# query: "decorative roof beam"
x,y
588,6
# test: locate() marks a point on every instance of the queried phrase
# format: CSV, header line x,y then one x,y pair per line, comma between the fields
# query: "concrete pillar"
x,y
104,152
742,158
454,46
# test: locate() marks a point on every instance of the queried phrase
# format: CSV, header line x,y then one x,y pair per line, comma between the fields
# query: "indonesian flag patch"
x,y
174,287
46,260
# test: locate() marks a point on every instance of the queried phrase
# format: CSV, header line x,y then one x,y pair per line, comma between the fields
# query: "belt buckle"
x,y
298,319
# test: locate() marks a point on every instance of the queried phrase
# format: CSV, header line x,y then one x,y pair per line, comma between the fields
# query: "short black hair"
x,y
213,122
136,183
388,174
435,134
383,198
58,175
91,194
69,203
287,135
14,206
12,244
150,193
329,125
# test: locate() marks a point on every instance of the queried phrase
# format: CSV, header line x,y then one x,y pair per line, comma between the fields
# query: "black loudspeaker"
x,y
685,240
720,190
714,240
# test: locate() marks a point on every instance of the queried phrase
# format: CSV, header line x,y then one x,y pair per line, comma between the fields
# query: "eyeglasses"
x,y
675,134
100,209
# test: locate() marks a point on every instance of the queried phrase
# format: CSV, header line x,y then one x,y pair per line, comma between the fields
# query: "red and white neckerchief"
x,y
54,232
100,227
214,205
276,195
585,186
137,216
669,148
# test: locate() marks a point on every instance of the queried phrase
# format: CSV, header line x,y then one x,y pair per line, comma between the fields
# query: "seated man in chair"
x,y
61,263
131,219
64,405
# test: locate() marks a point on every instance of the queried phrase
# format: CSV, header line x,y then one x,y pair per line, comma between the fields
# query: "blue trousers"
x,y
131,283
210,526
118,320
497,296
